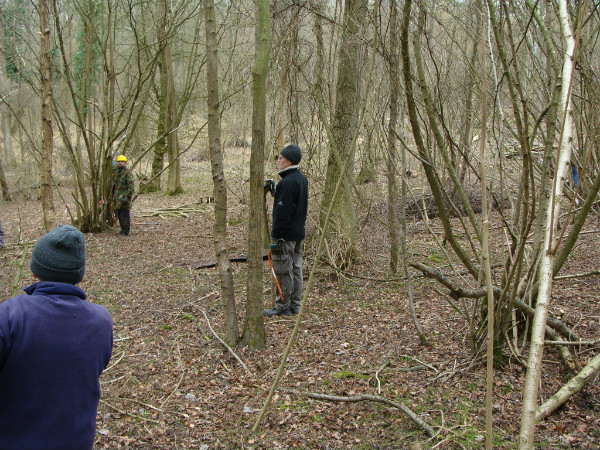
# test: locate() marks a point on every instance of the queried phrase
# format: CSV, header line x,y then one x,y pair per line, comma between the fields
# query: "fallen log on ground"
x,y
573,386
212,262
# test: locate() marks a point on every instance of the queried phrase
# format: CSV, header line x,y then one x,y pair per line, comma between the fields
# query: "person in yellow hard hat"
x,y
123,193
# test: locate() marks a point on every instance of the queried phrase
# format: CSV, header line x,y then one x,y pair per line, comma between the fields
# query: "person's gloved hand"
x,y
277,245
269,185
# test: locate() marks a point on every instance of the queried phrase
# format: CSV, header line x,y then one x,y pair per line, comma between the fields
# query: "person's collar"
x,y
288,168
54,287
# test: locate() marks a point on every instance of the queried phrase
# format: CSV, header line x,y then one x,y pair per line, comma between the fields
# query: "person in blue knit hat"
x,y
290,206
54,344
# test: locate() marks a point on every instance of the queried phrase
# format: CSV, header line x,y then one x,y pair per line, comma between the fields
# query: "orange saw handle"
x,y
275,276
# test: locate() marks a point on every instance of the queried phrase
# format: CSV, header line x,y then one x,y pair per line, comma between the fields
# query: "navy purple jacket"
x,y
53,347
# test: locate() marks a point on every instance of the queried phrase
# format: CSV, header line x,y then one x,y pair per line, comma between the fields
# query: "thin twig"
x,y
143,404
115,363
377,377
224,343
125,413
180,378
420,362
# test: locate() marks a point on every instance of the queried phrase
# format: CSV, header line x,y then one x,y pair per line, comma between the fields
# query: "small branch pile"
x,y
173,211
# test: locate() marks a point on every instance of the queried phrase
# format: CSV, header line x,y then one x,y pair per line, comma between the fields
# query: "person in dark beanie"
x,y
53,347
290,207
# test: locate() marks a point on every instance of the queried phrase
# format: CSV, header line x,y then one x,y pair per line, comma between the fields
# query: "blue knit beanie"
x,y
292,153
60,255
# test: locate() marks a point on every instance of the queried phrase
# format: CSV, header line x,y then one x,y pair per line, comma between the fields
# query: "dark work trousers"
x,y
124,220
287,263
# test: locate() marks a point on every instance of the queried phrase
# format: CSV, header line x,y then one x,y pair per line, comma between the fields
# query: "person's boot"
x,y
276,312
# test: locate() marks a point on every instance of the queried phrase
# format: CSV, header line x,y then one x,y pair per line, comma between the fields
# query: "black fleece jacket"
x,y
290,206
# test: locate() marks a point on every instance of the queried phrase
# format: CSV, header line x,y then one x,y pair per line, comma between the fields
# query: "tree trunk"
x,y
392,188
485,243
161,141
7,135
170,112
3,183
345,122
220,189
534,364
254,325
47,135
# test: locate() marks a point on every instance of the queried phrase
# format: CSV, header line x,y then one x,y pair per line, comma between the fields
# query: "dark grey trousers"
x,y
288,268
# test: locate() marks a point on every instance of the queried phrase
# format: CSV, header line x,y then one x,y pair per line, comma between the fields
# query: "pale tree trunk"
x,y
6,140
161,141
170,105
160,147
345,122
575,385
552,98
534,364
105,156
392,188
84,217
4,184
254,324
7,135
5,114
220,189
47,135
485,246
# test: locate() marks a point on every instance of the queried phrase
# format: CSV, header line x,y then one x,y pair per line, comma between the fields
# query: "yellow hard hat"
x,y
121,158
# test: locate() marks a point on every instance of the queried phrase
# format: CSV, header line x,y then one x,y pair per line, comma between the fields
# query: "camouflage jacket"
x,y
122,187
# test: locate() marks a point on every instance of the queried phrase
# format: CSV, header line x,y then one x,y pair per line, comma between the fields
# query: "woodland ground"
x,y
172,385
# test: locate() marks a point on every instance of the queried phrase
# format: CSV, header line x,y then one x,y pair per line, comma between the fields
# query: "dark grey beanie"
x,y
292,153
60,255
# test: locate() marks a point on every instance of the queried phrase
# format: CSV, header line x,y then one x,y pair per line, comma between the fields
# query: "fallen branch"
x,y
458,292
564,351
578,343
578,275
366,397
574,385
224,343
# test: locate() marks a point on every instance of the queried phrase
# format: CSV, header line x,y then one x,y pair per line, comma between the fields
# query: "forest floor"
x,y
172,385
